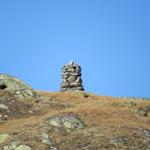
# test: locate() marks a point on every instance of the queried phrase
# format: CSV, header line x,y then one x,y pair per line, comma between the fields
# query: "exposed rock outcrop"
x,y
16,86
66,122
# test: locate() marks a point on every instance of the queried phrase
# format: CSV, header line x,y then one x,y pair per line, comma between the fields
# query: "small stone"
x,y
71,62
31,112
3,107
72,79
79,80
118,141
11,146
45,139
67,124
5,117
56,121
23,147
146,133
53,148
4,137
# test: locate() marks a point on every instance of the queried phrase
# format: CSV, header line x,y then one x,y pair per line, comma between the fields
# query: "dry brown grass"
x,y
102,115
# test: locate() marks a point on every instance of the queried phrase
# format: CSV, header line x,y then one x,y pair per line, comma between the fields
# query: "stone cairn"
x,y
71,77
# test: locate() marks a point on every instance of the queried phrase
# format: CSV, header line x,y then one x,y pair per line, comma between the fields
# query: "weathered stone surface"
x,y
4,137
146,133
23,147
3,108
46,140
12,145
16,86
66,121
118,141
71,77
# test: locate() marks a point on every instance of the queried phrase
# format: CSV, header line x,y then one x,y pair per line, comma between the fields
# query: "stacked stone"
x,y
71,77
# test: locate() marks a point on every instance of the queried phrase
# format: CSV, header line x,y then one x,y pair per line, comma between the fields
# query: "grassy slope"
x,y
104,117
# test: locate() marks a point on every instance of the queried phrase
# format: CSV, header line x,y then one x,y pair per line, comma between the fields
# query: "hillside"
x,y
73,121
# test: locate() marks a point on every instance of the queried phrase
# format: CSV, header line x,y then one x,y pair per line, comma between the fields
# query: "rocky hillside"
x,y
73,121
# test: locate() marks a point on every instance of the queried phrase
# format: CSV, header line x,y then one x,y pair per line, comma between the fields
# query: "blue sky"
x,y
110,39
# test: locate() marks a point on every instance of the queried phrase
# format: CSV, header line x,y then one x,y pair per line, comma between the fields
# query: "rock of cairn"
x,y
71,77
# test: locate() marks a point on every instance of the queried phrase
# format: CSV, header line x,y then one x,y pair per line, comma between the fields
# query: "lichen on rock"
x,y
66,121
16,86
12,145
4,137
23,147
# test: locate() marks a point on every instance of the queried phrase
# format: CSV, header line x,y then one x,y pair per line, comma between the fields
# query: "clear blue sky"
x,y
110,39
